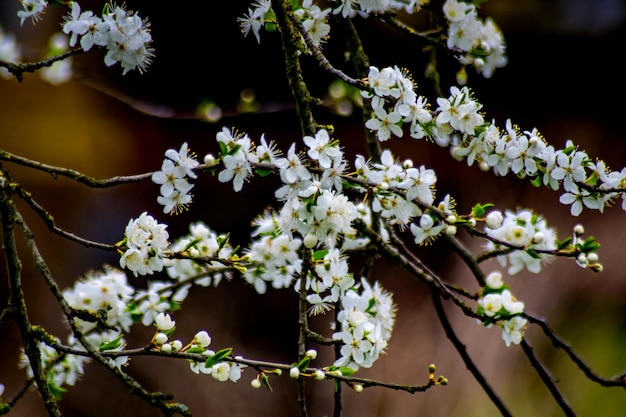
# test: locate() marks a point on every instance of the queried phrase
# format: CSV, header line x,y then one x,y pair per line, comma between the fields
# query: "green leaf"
x,y
113,344
195,349
479,210
345,371
318,255
533,253
266,382
536,181
218,357
223,148
270,26
56,391
234,149
590,245
569,150
263,172
304,363
564,243
189,245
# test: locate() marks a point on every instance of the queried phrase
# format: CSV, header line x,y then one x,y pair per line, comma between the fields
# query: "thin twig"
x,y
548,379
19,69
617,381
321,58
469,362
48,219
73,174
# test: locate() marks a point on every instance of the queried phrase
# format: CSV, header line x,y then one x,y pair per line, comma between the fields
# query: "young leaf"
x,y
219,355
113,344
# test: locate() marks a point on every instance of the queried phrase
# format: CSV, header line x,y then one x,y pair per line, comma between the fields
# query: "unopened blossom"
x,y
164,322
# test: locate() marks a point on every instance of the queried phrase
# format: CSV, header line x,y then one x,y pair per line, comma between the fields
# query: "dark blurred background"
x,y
564,77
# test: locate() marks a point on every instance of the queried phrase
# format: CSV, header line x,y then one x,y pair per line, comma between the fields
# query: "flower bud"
x,y
164,322
358,388
451,219
579,230
202,338
494,219
451,230
166,348
592,257
319,375
311,354
209,160
294,373
160,338
310,241
177,345
255,383
494,280
461,76
538,238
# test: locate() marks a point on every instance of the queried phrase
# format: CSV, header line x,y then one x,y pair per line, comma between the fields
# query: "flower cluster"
x,y
238,156
200,242
105,296
106,292
176,168
273,259
313,18
125,35
498,305
144,246
61,369
526,230
350,8
314,21
482,42
458,123
365,324
394,102
221,371
401,186
215,366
